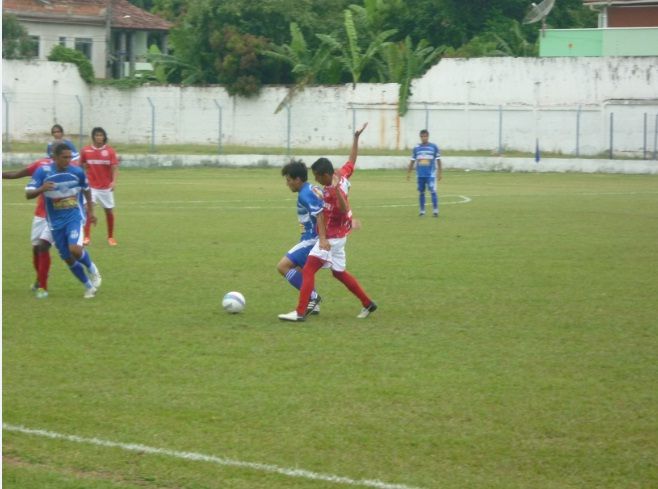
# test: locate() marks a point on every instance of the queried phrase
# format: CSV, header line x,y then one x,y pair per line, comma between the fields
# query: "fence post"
x,y
219,143
500,129
644,146
80,117
288,130
7,143
427,118
655,139
612,126
578,114
152,124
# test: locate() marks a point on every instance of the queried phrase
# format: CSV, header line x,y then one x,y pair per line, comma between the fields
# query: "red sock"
x,y
313,264
44,269
353,285
110,224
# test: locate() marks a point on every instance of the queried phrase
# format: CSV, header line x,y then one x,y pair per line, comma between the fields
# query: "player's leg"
x,y
316,260
87,231
41,242
338,269
421,195
435,197
68,241
291,265
106,199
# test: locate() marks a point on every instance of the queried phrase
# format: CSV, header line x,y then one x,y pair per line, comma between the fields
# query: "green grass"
x,y
515,344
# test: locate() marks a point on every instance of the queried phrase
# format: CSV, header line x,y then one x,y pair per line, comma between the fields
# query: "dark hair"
x,y
56,126
424,131
97,130
59,148
295,169
323,166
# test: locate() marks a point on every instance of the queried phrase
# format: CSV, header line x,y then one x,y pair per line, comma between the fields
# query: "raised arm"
x,y
355,143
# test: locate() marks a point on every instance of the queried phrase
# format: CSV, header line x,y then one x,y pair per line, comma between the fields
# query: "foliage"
x,y
16,43
67,55
405,63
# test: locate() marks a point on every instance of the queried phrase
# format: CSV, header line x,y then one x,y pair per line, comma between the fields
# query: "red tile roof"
x,y
124,14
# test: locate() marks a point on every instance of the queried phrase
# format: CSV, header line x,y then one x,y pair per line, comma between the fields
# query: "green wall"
x,y
639,41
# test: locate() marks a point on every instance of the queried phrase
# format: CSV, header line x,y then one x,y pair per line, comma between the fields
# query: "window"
x,y
62,41
83,44
34,47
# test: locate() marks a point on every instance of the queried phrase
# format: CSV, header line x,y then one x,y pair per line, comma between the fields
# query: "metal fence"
x,y
611,130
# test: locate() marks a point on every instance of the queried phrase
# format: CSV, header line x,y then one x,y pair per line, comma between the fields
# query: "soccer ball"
x,y
233,302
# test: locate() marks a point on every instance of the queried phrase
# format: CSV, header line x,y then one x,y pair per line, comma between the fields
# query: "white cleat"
x,y
291,316
96,278
90,293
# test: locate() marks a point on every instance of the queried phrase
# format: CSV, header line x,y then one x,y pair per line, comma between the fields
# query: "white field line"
x,y
235,204
199,457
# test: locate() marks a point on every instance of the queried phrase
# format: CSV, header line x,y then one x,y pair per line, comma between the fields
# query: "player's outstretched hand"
x,y
359,131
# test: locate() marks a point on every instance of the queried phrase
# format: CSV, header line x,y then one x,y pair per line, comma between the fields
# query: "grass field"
x,y
515,344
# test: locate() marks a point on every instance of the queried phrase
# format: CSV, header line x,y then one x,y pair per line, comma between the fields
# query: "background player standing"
x,y
427,159
63,186
57,132
102,166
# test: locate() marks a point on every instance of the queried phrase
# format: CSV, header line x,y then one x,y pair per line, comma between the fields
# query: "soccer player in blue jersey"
x,y
309,206
57,132
427,159
63,186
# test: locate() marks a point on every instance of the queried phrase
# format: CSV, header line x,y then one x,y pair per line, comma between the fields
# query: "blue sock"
x,y
85,259
422,202
435,202
294,277
79,272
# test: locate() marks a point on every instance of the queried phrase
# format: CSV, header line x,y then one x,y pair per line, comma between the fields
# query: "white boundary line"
x,y
199,457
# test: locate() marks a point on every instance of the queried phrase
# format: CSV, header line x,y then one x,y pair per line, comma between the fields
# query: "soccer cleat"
x,y
291,316
86,241
95,278
421,214
112,241
367,311
313,306
435,214
90,293
35,286
41,293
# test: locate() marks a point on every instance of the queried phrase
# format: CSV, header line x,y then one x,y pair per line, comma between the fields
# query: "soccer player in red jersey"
x,y
40,236
334,225
101,164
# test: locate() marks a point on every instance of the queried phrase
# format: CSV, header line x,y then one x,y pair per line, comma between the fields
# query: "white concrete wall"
x,y
462,103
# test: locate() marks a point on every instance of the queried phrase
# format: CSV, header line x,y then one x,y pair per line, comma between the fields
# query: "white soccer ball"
x,y
234,302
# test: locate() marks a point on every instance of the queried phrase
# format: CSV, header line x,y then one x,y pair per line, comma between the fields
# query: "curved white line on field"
x,y
199,457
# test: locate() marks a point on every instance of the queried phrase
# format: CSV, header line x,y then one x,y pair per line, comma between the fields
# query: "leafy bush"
x,y
16,42
67,55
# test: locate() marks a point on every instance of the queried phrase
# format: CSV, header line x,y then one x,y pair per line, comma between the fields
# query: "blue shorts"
x,y
429,182
71,234
299,253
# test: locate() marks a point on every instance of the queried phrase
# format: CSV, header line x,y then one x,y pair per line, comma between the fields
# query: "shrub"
x,y
67,55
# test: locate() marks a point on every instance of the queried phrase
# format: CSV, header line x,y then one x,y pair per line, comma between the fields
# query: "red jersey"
x,y
339,223
40,210
99,163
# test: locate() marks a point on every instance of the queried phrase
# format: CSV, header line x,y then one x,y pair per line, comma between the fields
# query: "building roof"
x,y
617,3
124,14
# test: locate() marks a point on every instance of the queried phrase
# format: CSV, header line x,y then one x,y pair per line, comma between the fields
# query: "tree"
x,y
16,42
405,63
351,55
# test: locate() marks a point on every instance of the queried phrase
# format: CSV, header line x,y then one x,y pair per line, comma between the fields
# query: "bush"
x,y
67,55
16,42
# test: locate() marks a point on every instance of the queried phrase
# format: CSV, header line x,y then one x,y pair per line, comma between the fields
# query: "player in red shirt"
x,y
334,225
40,236
101,164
